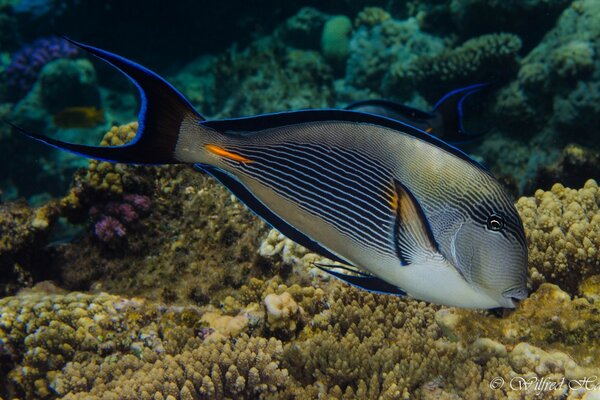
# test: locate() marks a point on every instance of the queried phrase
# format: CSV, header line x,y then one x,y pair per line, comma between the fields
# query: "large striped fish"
x,y
404,211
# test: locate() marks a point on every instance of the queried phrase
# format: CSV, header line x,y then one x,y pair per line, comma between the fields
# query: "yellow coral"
x,y
282,312
104,176
563,231
371,16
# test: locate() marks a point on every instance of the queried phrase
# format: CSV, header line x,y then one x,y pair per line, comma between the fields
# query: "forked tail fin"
x,y
450,108
162,112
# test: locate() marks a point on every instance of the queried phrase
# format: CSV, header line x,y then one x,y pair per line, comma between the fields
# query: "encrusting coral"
x,y
24,231
562,227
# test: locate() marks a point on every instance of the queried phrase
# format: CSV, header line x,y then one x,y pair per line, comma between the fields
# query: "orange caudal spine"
x,y
219,151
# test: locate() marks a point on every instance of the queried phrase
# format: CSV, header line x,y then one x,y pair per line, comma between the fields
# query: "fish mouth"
x,y
514,296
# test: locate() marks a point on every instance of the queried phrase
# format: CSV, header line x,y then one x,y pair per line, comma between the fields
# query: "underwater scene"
x,y
336,199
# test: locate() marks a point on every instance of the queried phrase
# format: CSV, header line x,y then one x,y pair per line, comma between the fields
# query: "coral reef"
x,y
304,29
79,343
24,231
473,17
205,301
474,61
375,47
562,227
268,76
354,345
557,84
26,63
335,38
549,319
575,164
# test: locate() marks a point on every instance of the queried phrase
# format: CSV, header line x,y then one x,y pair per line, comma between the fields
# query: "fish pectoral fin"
x,y
362,280
414,239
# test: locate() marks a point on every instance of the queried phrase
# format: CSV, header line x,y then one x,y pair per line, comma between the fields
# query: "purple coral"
x,y
108,229
142,203
27,62
113,218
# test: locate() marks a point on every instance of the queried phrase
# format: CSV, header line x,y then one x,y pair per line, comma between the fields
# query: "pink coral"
x,y
141,203
108,229
113,217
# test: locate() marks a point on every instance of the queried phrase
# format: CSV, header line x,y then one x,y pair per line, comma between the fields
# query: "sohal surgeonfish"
x,y
445,121
404,211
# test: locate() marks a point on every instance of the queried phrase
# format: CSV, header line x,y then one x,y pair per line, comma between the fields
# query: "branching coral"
x,y
563,230
468,63
73,339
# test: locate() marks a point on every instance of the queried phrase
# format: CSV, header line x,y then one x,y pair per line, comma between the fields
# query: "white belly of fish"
x,y
439,283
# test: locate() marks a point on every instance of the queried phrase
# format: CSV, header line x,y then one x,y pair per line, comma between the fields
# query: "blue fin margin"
x,y
362,281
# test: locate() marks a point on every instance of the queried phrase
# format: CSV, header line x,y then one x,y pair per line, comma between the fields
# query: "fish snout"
x,y
512,297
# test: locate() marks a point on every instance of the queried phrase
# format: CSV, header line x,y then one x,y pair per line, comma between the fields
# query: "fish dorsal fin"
x,y
414,239
362,280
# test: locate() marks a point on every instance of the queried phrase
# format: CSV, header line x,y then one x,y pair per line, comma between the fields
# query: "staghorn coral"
x,y
563,231
246,369
354,345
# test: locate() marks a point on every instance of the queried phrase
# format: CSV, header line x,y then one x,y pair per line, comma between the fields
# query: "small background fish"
x,y
79,117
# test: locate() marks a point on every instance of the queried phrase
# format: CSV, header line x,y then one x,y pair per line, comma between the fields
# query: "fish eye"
x,y
495,222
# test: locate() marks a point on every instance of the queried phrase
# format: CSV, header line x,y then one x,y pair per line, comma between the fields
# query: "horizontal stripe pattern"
x,y
342,187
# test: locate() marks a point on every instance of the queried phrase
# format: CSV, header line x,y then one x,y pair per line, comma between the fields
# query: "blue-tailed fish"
x,y
445,121
404,211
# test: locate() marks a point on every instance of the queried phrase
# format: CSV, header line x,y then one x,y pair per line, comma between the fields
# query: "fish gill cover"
x,y
162,279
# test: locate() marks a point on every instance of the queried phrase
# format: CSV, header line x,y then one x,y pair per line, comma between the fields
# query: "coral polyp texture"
x,y
351,344
562,227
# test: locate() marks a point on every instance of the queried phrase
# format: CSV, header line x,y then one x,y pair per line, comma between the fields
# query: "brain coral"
x,y
563,230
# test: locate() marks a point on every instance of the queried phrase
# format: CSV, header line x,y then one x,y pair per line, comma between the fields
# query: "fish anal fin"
x,y
414,239
362,280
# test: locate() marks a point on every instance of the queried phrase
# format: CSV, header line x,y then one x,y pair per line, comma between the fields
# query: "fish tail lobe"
x,y
450,109
164,114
